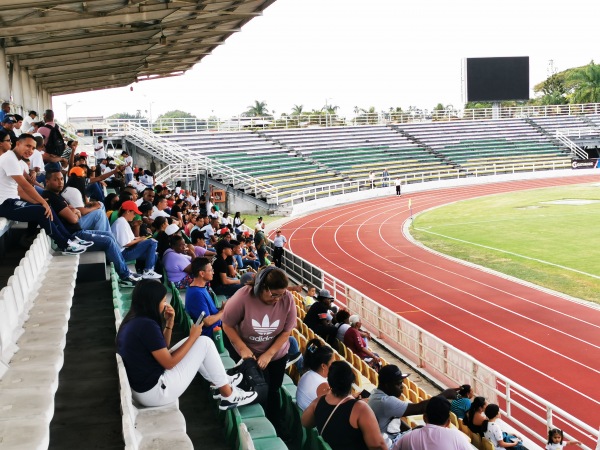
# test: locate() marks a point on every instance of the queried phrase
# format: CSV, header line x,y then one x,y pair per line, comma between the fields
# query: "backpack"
x,y
254,379
56,144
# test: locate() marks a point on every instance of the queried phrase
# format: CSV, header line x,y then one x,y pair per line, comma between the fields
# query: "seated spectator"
x,y
143,342
342,323
111,201
248,257
32,208
134,248
316,317
310,297
354,341
191,223
160,225
93,215
462,404
177,261
213,214
222,283
475,417
435,434
148,195
495,434
258,321
70,217
237,224
198,299
160,206
344,422
146,222
209,231
199,243
387,406
313,384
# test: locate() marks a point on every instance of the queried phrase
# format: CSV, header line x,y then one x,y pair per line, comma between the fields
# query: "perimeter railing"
x,y
108,127
347,187
446,364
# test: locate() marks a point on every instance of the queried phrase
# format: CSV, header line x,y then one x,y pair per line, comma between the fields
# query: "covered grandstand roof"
x,y
74,46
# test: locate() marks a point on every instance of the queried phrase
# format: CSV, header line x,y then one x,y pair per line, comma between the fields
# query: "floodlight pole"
x,y
495,110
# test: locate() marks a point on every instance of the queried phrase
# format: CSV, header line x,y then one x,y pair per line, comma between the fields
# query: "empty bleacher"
x,y
488,144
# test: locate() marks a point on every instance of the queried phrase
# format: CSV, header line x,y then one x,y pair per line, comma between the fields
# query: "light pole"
x,y
67,106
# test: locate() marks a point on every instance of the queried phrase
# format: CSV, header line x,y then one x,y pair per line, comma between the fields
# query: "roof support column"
x,y
27,102
34,91
17,89
4,80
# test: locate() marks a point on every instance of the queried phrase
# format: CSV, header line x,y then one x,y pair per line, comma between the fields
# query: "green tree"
x,y
297,110
176,114
585,84
259,109
124,115
330,109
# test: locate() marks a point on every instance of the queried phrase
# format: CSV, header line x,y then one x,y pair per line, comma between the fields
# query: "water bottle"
x,y
218,338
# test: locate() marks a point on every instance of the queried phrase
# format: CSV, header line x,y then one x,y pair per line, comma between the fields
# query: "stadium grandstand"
x,y
62,383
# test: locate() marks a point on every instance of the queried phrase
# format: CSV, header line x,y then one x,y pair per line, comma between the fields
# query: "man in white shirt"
x,y
93,214
134,248
31,207
128,161
278,244
99,151
435,434
28,122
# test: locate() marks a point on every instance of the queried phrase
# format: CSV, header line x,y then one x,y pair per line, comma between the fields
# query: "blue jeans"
x,y
94,190
145,250
95,220
22,211
295,348
105,241
128,178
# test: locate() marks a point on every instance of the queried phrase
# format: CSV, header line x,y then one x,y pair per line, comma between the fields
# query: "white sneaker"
x,y
150,274
73,249
234,380
81,242
237,398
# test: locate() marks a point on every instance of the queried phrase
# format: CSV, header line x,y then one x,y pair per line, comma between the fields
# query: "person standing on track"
x,y
278,244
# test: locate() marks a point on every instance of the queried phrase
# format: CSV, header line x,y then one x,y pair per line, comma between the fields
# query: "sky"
x,y
349,53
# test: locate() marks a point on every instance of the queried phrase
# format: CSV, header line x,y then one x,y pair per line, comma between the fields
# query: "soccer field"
x,y
550,237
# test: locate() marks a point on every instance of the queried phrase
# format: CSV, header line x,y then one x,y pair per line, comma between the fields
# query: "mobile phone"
x,y
201,318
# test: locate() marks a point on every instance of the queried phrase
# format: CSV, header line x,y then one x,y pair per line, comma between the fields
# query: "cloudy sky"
x,y
347,53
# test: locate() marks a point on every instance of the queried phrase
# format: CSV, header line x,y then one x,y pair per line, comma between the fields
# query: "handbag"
x,y
253,379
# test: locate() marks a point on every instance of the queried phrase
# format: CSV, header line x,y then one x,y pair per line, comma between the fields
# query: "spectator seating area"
x,y
481,144
33,327
295,159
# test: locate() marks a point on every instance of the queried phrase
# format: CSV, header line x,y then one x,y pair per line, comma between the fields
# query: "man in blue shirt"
x,y
198,299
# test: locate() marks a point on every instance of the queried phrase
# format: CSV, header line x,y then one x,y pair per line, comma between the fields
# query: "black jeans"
x,y
22,211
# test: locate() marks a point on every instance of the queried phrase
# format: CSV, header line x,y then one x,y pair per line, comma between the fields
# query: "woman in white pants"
x,y
158,376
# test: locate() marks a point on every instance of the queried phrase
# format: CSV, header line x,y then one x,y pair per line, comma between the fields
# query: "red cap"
x,y
84,154
130,205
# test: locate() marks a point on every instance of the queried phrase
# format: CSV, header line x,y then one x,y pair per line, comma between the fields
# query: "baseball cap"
x,y
324,293
171,229
9,119
82,154
354,319
78,172
390,374
130,205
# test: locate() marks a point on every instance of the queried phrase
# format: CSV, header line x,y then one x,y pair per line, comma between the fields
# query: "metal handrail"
x,y
441,360
576,151
179,158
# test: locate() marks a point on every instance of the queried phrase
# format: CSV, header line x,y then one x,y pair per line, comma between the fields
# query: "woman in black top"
x,y
475,418
344,422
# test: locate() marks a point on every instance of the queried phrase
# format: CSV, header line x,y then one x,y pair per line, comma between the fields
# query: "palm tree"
x,y
259,109
297,110
330,109
586,84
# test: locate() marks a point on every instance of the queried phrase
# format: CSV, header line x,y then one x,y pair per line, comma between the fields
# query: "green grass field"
x,y
550,237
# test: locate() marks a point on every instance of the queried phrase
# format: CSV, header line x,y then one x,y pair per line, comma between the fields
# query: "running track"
x,y
546,343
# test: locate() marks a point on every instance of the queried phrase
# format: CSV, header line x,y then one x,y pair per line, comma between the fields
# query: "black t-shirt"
x,y
58,203
312,316
219,266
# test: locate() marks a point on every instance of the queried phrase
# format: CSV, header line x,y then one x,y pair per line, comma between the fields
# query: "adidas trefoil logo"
x,y
266,327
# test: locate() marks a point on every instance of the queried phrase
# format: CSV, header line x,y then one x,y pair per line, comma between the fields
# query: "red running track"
x,y
544,342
